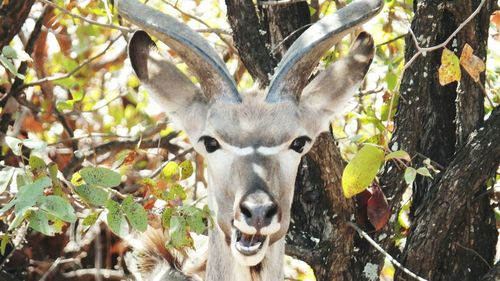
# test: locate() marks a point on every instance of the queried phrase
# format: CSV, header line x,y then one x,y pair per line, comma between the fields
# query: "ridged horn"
x,y
299,61
201,58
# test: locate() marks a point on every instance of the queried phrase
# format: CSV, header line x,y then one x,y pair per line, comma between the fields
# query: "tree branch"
x,y
477,160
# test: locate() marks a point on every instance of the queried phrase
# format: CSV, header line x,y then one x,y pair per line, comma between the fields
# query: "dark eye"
x,y
299,143
210,143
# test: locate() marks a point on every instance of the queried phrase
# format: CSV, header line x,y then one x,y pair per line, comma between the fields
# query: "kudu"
x,y
252,143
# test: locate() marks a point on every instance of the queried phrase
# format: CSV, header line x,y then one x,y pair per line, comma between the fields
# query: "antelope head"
x,y
252,145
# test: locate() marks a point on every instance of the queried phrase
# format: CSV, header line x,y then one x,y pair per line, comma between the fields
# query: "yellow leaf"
x,y
362,170
471,63
449,71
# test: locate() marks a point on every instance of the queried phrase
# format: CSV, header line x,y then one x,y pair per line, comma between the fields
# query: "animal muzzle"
x,y
256,218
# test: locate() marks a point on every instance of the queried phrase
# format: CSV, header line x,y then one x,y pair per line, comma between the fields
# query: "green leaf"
x,y
37,165
176,192
39,221
404,216
136,215
170,170
10,67
361,170
14,144
6,175
400,154
115,219
90,219
35,144
186,169
4,243
410,174
59,208
9,52
166,216
65,105
195,220
178,233
424,172
29,195
101,176
93,195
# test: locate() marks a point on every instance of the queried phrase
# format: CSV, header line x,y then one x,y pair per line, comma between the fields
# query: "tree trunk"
x,y
318,233
12,17
452,235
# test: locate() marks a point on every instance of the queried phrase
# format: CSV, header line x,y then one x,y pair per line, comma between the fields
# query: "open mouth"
x,y
248,244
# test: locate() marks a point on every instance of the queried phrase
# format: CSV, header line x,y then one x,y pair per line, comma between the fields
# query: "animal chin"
x,y
248,249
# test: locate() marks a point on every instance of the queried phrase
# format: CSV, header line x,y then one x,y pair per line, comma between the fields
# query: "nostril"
x,y
245,211
271,212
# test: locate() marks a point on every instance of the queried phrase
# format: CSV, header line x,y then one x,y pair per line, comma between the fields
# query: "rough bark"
x,y
249,40
493,274
12,16
434,121
318,233
446,241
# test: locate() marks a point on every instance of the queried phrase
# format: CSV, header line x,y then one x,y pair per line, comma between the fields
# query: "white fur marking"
x,y
266,150
241,151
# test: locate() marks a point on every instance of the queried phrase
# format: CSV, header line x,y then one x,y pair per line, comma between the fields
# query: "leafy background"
x,y
90,158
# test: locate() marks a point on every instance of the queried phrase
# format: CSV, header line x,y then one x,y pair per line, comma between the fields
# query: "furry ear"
x,y
169,87
329,92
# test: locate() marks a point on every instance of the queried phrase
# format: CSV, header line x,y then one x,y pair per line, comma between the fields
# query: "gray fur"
x,y
255,134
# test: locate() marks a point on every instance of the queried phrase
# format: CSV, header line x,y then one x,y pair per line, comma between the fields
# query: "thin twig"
x,y
392,40
219,34
387,255
273,50
475,253
117,27
75,70
422,50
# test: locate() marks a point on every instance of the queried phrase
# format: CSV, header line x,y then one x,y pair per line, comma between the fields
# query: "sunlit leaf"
x,y
136,215
115,219
449,71
90,219
471,63
4,243
29,194
170,170
14,144
100,176
93,195
10,67
361,170
6,175
58,207
399,154
424,172
410,174
39,221
186,168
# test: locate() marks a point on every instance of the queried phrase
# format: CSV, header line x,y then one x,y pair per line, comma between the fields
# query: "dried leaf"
x,y
378,209
471,63
449,71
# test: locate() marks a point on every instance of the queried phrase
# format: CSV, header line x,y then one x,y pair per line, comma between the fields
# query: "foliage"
x,y
84,145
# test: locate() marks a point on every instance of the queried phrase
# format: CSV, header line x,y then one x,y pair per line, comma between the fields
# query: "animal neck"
x,y
221,265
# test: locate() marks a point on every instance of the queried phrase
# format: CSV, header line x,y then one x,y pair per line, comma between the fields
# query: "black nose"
x,y
258,209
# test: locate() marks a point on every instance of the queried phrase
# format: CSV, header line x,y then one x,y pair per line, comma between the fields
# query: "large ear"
x,y
329,92
215,80
171,89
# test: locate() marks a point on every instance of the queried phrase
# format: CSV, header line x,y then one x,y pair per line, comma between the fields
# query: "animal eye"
x,y
210,143
299,143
